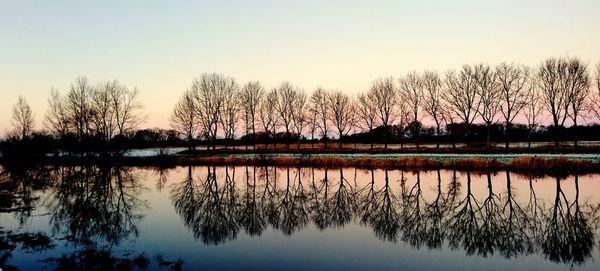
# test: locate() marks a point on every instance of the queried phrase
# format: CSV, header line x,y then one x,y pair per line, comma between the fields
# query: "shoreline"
x,y
525,164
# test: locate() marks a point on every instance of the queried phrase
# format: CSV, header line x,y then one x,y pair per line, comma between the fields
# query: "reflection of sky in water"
x,y
352,246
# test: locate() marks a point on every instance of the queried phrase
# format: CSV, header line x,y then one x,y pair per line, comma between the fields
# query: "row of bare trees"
x,y
105,109
216,106
561,87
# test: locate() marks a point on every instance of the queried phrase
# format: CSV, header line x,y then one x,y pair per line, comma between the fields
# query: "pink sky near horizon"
x,y
160,47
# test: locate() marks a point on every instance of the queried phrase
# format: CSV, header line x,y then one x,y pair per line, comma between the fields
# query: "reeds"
x,y
528,164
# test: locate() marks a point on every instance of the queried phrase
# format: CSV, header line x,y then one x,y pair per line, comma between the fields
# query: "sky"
x,y
161,46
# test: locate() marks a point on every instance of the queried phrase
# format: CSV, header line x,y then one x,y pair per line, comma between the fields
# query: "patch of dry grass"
x,y
527,165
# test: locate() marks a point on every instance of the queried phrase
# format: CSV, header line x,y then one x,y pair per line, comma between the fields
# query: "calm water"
x,y
287,218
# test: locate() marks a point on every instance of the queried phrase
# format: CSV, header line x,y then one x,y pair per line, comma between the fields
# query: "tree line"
x,y
562,87
216,109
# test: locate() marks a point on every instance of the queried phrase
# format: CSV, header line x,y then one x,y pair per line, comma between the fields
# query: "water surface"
x,y
257,218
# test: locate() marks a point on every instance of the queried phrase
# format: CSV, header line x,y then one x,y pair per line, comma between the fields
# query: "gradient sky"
x,y
160,46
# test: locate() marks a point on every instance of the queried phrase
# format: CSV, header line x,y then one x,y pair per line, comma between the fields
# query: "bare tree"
x,y
384,98
412,93
579,84
229,115
341,115
209,92
514,86
460,94
551,77
184,119
126,107
532,110
57,120
490,96
107,109
299,114
105,117
267,114
250,98
22,118
595,101
404,124
366,114
319,100
312,121
285,106
79,107
432,102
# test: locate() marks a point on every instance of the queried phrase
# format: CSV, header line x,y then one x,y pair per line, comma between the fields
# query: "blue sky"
x,y
160,46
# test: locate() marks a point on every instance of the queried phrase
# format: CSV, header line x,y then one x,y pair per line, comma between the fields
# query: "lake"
x,y
273,218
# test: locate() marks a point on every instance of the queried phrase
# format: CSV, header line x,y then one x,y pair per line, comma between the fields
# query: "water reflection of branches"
x,y
17,189
385,219
93,203
294,211
494,223
205,208
567,235
516,229
251,218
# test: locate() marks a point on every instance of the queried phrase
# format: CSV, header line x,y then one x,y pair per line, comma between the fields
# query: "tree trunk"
x,y
529,139
418,133
489,128
506,136
371,137
437,132
385,136
575,132
556,139
467,132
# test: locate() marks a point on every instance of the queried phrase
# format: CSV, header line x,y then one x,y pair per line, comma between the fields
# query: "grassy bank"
x,y
528,165
351,149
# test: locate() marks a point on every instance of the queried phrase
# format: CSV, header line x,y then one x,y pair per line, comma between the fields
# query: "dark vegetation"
x,y
471,109
537,166
217,203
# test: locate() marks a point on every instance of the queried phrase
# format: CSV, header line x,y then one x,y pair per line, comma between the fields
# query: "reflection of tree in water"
x,y
385,218
567,234
319,201
342,203
489,232
515,236
18,185
293,214
434,217
251,217
93,203
205,208
270,195
412,219
368,202
89,205
161,181
463,223
496,223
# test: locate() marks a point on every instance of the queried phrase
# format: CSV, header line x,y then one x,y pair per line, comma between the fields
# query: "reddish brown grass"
x,y
528,165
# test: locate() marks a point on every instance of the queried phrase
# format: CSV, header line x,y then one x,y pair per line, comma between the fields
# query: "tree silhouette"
x,y
96,204
22,118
